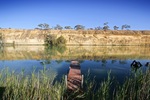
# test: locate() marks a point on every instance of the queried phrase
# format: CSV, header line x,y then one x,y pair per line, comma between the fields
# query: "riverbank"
x,y
77,37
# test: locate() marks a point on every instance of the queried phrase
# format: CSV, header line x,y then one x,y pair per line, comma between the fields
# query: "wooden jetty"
x,y
74,79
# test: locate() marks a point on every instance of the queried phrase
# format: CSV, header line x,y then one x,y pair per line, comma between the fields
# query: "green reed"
x,y
135,87
39,86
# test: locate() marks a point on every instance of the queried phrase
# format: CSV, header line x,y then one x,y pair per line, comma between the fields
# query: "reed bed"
x,y
135,87
40,86
37,86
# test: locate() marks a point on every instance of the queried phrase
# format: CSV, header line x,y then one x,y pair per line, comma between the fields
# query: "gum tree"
x,y
43,26
79,27
58,27
125,26
116,27
106,27
67,27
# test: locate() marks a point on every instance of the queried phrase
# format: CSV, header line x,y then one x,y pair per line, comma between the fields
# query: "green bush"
x,y
0,36
52,40
61,40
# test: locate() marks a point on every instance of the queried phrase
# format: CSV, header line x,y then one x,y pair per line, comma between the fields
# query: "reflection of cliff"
x,y
79,37
75,52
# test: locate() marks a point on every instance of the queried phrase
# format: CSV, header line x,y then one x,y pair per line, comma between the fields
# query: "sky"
x,y
27,14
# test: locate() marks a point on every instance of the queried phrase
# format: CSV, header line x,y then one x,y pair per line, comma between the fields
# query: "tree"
x,y
58,27
90,29
77,27
125,26
116,27
43,26
67,27
98,28
106,27
46,26
106,23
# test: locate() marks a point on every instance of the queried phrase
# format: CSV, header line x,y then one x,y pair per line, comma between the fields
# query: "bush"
x,y
61,40
52,40
0,36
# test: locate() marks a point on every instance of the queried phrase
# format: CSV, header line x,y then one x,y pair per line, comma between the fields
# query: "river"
x,y
96,60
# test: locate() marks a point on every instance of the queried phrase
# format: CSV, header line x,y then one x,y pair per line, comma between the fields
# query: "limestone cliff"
x,y
77,37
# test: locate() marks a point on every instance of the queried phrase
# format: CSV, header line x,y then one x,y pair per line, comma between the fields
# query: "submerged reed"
x,y
39,86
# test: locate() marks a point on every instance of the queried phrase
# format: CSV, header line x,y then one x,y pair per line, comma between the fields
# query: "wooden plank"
x,y
74,79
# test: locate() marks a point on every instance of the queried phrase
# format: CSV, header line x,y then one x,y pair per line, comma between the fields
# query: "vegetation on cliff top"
x,y
81,27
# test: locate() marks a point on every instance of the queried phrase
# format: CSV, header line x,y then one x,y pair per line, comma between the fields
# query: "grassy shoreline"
x,y
39,86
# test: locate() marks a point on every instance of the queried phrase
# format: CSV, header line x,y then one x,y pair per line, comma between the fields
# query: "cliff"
x,y
77,37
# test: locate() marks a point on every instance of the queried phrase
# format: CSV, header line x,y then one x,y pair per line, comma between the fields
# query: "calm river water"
x,y
98,60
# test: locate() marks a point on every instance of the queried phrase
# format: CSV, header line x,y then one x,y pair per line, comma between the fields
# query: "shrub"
x,y
61,40
52,40
0,36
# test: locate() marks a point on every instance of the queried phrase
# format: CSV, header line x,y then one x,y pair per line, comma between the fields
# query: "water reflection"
x,y
75,52
98,59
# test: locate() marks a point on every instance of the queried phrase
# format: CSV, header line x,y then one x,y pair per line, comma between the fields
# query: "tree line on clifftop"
x,y
46,26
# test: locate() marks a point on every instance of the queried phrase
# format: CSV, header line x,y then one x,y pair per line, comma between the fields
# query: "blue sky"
x,y
27,14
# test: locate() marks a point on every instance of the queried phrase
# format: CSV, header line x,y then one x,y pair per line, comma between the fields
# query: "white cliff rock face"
x,y
79,37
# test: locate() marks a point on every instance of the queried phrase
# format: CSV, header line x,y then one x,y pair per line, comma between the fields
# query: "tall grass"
x,y
39,86
135,87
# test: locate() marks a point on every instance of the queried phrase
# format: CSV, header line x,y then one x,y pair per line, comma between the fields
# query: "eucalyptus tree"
x,y
116,27
78,27
40,25
44,26
125,26
90,29
67,27
98,28
106,27
58,27
106,23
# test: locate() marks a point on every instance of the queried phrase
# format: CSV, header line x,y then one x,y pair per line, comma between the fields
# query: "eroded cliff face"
x,y
77,37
